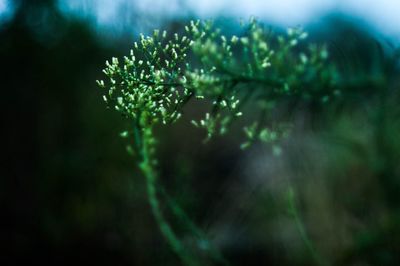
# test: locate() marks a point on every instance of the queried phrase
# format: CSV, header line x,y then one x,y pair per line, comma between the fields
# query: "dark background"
x,y
71,194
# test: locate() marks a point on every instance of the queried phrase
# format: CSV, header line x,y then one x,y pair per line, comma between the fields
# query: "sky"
x,y
383,15
6,10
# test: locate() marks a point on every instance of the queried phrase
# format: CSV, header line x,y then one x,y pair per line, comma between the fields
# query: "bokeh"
x,y
70,193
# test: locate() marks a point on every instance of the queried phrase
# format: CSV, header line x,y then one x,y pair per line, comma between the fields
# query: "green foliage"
x,y
157,79
165,72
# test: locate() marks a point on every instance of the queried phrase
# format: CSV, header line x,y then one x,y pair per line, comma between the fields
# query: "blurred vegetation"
x,y
70,194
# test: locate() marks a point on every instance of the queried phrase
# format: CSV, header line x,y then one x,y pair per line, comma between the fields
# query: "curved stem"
x,y
147,168
179,213
302,230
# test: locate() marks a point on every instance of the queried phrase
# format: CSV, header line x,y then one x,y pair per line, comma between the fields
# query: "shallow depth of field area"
x,y
187,133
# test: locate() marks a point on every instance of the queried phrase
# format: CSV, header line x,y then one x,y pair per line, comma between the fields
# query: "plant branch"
x,y
148,170
302,230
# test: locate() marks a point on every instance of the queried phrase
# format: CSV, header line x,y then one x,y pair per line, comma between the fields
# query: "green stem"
x,y
147,168
179,213
302,230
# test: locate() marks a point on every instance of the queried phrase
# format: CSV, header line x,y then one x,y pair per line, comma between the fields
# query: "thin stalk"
x,y
302,230
147,168
180,214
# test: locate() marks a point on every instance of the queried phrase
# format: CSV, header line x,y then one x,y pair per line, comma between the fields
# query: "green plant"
x,y
156,81
163,73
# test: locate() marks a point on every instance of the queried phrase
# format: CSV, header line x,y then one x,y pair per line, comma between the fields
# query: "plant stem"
x,y
302,230
147,167
179,213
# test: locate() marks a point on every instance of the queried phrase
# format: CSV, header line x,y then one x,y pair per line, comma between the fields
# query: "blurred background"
x,y
70,193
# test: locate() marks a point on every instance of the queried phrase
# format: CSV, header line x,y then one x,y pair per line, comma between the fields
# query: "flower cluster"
x,y
164,71
150,83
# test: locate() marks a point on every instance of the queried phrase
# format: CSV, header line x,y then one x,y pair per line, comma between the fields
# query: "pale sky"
x,y
383,14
